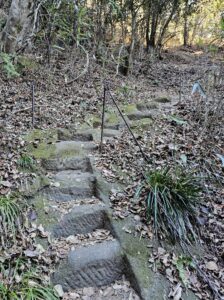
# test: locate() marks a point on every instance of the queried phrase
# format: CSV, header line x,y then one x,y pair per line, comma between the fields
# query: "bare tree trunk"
x,y
162,34
152,40
75,24
18,25
186,23
147,26
133,38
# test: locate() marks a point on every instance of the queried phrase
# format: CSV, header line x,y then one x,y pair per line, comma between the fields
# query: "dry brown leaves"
x,y
119,290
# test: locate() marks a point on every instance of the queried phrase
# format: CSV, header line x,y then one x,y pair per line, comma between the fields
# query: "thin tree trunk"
x,y
147,28
18,25
186,23
152,40
75,24
160,39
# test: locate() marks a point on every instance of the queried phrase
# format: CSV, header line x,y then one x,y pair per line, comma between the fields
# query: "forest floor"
x,y
192,136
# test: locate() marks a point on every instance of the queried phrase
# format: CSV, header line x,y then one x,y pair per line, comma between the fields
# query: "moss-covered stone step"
x,y
143,106
97,265
96,132
70,163
69,148
138,115
162,100
66,135
70,185
81,220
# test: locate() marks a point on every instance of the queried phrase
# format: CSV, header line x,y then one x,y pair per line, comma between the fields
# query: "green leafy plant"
x,y
171,199
182,264
10,216
8,66
26,162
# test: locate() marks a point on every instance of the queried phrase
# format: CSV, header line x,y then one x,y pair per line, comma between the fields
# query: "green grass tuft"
x,y
26,162
10,216
29,288
171,199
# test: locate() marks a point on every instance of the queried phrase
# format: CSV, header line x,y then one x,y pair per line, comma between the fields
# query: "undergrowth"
x,y
8,66
10,218
24,285
171,199
26,162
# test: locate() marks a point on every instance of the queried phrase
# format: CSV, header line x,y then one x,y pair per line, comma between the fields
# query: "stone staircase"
x,y
76,184
73,179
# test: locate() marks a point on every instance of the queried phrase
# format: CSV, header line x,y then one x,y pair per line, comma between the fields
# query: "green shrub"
x,y
8,66
171,199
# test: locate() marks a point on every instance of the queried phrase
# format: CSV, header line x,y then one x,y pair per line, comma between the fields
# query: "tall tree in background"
x,y
18,25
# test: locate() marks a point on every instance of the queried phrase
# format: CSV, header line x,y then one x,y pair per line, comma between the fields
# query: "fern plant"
x,y
8,66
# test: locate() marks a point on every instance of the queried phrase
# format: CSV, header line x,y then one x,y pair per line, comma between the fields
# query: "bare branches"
x,y
86,68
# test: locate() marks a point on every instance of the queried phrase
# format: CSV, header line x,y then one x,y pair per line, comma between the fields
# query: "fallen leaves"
x,y
211,266
62,246
119,290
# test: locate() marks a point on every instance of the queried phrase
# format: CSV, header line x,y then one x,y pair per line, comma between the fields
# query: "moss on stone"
x,y
37,134
142,124
32,187
142,106
43,151
112,118
91,121
129,108
46,219
136,250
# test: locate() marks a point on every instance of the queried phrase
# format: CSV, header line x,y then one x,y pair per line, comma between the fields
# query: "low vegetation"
x,y
25,286
171,198
26,162
10,218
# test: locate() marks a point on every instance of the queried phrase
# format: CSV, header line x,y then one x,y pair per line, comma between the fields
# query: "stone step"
x,y
96,132
71,148
138,115
81,220
96,265
147,106
65,135
73,177
111,132
71,163
70,185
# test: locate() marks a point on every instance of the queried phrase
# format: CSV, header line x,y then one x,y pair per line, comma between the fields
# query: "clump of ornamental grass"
x,y
171,200
26,285
10,217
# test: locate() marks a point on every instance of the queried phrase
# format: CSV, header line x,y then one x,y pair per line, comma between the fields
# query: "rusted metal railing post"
x,y
103,117
33,106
